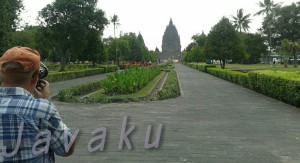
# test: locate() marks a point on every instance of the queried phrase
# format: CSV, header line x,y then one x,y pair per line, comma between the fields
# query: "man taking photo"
x,y
31,129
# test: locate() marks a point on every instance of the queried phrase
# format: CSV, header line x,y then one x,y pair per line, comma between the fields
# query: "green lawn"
x,y
261,66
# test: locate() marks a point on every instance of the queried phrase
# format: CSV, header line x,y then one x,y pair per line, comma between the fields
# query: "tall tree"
x,y
291,48
268,7
9,18
255,47
69,22
94,50
241,22
223,43
200,39
287,23
141,39
115,20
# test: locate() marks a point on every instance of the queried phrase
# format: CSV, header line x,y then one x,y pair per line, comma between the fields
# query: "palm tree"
x,y
241,22
268,7
115,20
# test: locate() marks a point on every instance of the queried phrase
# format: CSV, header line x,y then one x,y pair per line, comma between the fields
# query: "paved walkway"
x,y
213,121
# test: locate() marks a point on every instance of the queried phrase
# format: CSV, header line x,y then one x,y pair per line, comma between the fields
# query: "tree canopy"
x,y
69,22
9,18
241,21
223,43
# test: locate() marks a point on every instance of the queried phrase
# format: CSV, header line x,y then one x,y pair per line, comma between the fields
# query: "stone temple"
x,y
171,47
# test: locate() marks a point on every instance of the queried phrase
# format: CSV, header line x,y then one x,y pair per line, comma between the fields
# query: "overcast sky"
x,y
150,17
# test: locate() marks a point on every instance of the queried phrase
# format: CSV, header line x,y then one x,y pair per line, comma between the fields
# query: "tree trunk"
x,y
222,63
295,57
63,61
285,63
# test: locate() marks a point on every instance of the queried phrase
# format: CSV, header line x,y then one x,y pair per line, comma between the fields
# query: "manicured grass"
x,y
261,66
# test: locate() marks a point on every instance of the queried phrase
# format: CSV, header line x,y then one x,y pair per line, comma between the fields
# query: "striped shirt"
x,y
17,107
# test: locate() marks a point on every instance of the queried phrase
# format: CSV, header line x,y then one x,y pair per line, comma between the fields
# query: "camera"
x,y
43,72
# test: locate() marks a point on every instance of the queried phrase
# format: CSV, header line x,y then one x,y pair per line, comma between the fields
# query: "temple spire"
x,y
171,47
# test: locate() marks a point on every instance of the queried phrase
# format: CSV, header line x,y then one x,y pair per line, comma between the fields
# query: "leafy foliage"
x,y
170,88
284,86
223,43
62,76
9,18
71,94
195,51
128,81
255,47
268,8
287,23
69,22
241,21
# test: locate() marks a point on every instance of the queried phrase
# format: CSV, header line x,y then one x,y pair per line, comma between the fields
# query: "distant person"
x,y
25,110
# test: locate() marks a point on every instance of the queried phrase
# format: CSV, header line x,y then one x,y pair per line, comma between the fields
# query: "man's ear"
x,y
35,77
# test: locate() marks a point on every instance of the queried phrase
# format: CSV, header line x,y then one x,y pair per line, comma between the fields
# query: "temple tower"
x,y
171,47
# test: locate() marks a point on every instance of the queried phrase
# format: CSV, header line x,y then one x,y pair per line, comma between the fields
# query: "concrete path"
x,y
213,121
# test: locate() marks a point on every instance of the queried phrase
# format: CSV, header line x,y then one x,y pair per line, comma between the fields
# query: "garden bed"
x,y
162,86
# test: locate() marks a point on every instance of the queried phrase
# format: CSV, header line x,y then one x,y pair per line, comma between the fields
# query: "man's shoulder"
x,y
28,106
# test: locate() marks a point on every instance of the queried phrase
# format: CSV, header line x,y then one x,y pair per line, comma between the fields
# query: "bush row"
x,y
200,66
171,87
236,77
69,67
283,86
72,94
62,76
109,68
75,67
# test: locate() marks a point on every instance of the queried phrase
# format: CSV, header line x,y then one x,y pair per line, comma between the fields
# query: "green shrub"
x,y
229,75
69,67
200,66
62,76
283,86
53,67
109,68
71,94
171,87
204,67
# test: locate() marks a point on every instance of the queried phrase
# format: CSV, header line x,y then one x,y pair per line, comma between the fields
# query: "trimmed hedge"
x,y
62,76
232,76
72,94
283,86
280,85
109,68
76,67
200,66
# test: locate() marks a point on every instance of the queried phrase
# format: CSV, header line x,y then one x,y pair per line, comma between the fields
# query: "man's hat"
x,y
20,60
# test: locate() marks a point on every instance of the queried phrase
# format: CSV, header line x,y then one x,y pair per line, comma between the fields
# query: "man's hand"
x,y
44,93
